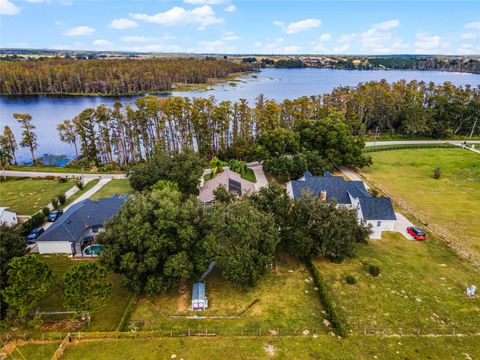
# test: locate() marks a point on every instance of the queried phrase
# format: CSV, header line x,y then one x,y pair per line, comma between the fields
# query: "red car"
x,y
416,233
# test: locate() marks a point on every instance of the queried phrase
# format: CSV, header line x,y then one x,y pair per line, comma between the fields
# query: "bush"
x,y
350,280
80,185
46,211
35,221
62,180
437,173
373,270
62,198
338,323
54,202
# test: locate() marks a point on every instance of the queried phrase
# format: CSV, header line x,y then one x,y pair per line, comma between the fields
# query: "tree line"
x,y
109,77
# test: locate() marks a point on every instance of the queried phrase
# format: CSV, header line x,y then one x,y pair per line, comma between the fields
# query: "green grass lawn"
x,y
115,186
79,193
450,205
285,300
323,347
107,318
422,285
59,169
27,196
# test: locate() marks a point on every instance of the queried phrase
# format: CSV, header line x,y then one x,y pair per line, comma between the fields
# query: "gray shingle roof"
x,y
81,216
338,189
379,208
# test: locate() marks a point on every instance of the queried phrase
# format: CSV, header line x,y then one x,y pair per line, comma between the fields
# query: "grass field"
x,y
79,193
285,300
58,169
27,196
422,285
107,318
116,186
323,347
450,205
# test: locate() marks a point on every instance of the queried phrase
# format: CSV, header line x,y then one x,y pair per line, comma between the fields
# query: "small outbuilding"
x,y
199,300
8,217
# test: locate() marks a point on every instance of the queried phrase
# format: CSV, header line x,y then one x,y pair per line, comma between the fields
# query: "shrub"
x,y
62,198
373,270
350,280
46,211
35,221
79,185
55,202
437,173
62,180
338,323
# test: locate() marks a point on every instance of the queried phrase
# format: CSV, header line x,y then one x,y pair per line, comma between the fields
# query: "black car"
x,y
34,234
54,215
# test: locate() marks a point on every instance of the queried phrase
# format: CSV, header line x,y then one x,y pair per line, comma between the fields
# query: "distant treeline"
x,y
109,77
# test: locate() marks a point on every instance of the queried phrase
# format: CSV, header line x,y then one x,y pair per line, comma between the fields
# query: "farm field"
x,y
421,286
323,347
450,204
283,300
107,318
115,186
27,196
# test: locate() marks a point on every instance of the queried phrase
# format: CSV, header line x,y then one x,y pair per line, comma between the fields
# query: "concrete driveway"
x,y
401,226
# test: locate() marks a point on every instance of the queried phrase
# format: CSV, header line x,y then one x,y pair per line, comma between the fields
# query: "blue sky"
x,y
239,26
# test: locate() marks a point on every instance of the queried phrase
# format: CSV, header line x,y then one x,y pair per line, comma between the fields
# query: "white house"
x,y
375,211
8,217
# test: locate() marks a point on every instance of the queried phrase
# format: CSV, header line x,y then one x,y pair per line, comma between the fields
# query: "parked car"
x,y
416,233
34,234
54,215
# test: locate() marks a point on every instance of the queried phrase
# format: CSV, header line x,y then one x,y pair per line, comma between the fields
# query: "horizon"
x,y
236,27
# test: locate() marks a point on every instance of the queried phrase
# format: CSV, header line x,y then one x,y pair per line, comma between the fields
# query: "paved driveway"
x,y
401,226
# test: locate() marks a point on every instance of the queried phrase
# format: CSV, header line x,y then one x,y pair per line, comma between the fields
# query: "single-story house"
x,y
232,181
374,211
8,217
199,300
79,225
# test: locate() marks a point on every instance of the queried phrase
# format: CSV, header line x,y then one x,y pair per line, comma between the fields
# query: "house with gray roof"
x,y
79,225
374,211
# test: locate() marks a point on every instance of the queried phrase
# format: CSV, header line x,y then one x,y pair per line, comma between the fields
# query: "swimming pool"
x,y
92,250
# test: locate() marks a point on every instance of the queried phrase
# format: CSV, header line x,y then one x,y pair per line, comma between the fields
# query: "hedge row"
x,y
337,321
402,147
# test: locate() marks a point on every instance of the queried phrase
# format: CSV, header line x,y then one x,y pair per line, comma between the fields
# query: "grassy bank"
x,y
60,169
449,204
26,196
323,347
421,286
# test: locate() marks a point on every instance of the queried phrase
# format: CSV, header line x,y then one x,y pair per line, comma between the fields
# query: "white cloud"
x,y
230,36
290,49
230,8
319,47
59,23
121,24
326,37
102,43
258,44
473,25
204,2
79,31
469,36
468,49
8,8
216,46
299,26
153,48
345,38
202,16
380,42
387,25
35,1
341,49
426,44
145,39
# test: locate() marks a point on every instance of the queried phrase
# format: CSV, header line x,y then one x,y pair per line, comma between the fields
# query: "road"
x,y
63,175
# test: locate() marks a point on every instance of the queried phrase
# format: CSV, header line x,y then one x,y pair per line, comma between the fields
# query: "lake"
x,y
49,110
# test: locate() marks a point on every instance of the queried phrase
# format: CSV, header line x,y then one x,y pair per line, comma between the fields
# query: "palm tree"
x,y
217,166
238,166
5,157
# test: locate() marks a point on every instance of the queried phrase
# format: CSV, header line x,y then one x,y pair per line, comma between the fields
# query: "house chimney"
x,y
323,195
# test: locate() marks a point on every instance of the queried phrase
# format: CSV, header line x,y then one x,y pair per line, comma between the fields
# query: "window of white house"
x,y
379,223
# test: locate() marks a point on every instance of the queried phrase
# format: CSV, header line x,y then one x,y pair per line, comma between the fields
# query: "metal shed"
x,y
199,300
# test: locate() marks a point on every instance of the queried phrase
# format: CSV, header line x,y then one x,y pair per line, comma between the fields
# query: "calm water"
x,y
278,84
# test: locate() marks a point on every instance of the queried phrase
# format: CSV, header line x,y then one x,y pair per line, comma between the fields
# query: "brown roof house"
x,y
232,181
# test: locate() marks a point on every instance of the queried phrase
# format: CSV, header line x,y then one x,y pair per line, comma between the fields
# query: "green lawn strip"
x,y
26,196
450,204
421,286
60,169
285,300
105,319
35,351
378,148
79,193
323,347
115,186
